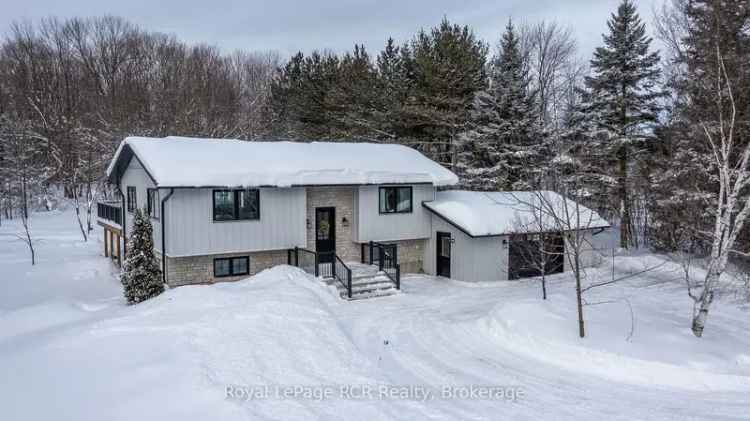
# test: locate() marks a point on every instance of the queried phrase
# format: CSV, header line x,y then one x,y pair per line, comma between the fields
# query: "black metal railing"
x,y
322,264
304,259
385,257
343,274
110,211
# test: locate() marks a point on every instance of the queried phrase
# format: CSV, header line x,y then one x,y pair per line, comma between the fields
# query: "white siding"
x,y
373,226
136,176
472,259
191,229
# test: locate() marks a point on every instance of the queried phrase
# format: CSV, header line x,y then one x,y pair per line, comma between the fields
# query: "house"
x,y
226,209
480,236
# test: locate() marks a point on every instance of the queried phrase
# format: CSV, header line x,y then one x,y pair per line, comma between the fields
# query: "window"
x,y
395,200
233,205
132,202
153,203
231,266
445,246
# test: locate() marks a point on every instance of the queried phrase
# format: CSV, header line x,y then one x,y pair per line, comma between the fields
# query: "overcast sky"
x,y
289,26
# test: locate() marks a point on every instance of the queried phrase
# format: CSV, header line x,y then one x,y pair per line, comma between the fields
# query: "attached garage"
x,y
487,236
528,254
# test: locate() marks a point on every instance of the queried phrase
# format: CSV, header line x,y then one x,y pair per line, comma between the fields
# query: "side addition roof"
x,y
484,214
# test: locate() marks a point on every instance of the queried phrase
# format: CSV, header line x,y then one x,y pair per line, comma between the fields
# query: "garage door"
x,y
526,256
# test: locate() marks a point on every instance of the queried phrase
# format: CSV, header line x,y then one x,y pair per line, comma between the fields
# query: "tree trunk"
x,y
699,320
622,186
581,327
80,223
704,303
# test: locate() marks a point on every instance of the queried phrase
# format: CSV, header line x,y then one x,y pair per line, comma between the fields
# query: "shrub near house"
x,y
141,277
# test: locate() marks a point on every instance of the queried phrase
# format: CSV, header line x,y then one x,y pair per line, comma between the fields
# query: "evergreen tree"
x,y
353,101
448,65
395,75
624,97
141,277
500,149
685,165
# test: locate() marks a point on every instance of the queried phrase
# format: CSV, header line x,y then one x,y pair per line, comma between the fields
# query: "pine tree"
x,y
353,98
141,276
448,65
500,148
624,97
685,176
395,75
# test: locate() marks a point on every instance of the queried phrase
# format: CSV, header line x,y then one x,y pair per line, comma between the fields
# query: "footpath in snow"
x,y
71,349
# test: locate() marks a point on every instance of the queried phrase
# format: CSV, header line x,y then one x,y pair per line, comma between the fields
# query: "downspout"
x,y
164,237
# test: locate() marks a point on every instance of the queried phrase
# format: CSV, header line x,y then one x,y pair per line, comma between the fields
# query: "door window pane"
x,y
445,247
324,227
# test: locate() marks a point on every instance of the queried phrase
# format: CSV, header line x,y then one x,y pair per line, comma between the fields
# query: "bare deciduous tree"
x,y
729,200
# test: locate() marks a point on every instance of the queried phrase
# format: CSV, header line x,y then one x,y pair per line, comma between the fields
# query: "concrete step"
x,y
371,280
366,293
366,275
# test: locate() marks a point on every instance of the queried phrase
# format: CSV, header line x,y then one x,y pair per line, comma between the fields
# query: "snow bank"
x,y
186,345
659,354
497,213
192,162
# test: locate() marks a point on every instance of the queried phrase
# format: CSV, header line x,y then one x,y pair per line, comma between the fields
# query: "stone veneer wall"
x,y
411,255
341,198
200,269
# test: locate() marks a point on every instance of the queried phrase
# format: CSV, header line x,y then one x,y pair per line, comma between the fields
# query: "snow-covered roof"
x,y
497,213
194,162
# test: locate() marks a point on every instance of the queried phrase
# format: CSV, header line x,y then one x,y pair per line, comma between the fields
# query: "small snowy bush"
x,y
141,276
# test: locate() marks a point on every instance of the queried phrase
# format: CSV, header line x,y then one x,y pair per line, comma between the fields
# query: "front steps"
x,y
367,282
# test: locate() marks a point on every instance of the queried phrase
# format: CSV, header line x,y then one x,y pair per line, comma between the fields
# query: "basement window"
x,y
231,266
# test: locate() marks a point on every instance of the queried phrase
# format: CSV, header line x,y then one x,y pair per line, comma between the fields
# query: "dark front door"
x,y
325,233
443,258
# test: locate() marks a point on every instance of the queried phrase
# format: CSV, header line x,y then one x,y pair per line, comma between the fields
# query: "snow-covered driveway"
x,y
71,349
440,333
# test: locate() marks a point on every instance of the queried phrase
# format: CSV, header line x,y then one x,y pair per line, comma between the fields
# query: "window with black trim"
x,y
395,199
132,199
153,203
231,266
236,205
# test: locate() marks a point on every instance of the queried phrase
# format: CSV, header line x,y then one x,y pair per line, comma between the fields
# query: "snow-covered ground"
x,y
71,349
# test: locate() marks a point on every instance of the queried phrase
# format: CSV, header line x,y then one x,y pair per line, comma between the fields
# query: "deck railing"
x,y
109,211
